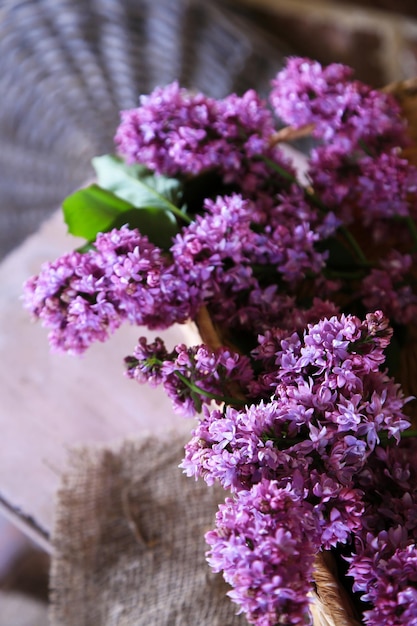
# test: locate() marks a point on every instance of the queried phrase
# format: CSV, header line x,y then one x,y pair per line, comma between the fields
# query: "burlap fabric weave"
x,y
129,545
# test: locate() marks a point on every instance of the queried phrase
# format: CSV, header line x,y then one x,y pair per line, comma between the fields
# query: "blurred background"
x,y
67,67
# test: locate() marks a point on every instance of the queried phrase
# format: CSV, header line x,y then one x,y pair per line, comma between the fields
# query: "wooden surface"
x,y
50,402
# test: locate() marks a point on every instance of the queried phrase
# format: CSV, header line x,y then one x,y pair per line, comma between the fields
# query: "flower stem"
x,y
177,212
408,433
290,133
214,396
280,170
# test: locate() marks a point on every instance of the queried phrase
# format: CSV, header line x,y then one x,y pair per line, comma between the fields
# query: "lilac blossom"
x,y
84,297
218,251
289,237
178,132
333,174
191,377
212,252
389,287
264,543
169,131
330,404
362,187
75,314
304,92
312,442
343,111
386,187
313,455
393,593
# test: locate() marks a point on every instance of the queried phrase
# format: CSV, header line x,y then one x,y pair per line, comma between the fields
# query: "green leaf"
x,y
159,226
92,210
126,194
136,185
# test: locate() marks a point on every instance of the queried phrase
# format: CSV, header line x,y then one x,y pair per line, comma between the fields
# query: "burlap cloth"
x,y
129,545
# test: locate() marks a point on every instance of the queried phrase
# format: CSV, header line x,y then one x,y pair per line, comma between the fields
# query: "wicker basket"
x,y
69,66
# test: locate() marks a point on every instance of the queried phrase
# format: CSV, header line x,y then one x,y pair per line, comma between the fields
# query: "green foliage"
x,y
135,184
92,210
125,194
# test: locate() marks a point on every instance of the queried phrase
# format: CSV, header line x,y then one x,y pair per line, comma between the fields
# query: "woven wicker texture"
x,y
69,66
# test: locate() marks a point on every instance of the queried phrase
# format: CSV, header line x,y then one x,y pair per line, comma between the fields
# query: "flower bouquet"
x,y
303,289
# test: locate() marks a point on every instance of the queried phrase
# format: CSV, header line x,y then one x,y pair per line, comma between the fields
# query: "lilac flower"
x,y
169,131
393,593
191,377
385,187
330,404
146,363
389,287
83,298
67,297
314,459
343,111
334,178
305,92
218,252
211,253
289,238
264,543
177,132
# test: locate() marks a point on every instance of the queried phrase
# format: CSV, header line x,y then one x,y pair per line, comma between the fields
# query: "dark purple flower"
x,y
191,377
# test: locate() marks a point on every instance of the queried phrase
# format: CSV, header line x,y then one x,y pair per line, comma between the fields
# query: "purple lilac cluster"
x,y
330,408
375,190
180,133
390,286
359,178
220,251
265,542
84,297
286,270
343,111
191,377
329,399
248,255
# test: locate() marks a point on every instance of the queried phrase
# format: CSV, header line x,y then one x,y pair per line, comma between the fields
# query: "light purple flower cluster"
x,y
179,133
343,111
84,297
386,184
287,269
265,542
218,253
330,407
373,190
191,377
329,399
